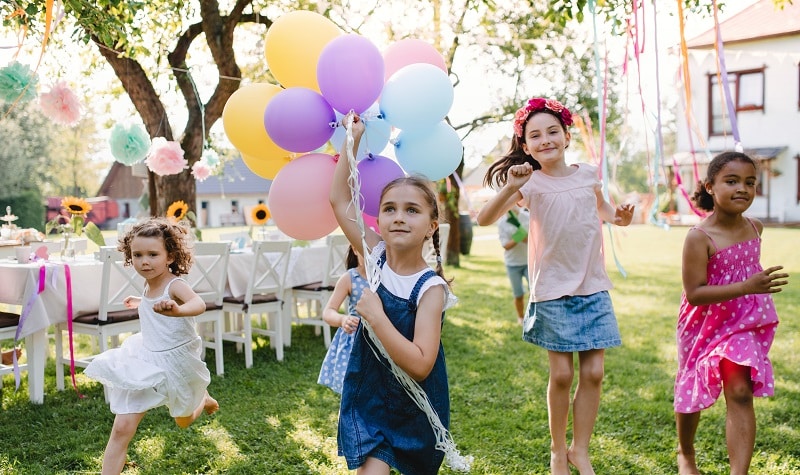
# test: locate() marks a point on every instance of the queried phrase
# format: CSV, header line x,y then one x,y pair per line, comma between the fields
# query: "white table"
x,y
19,284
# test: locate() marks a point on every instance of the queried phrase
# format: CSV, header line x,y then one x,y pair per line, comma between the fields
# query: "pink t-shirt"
x,y
565,252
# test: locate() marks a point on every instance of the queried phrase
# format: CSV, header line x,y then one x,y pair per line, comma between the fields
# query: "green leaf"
x,y
93,233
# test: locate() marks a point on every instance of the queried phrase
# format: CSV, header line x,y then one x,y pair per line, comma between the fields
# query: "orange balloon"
x,y
293,45
243,120
266,167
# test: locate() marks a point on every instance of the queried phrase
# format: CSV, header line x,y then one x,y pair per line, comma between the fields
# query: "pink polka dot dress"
x,y
740,330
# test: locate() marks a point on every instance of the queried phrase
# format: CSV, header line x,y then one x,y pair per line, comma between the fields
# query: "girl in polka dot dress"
x,y
727,319
349,286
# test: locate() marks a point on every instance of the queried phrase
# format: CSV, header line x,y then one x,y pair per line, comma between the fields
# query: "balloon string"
x,y
444,440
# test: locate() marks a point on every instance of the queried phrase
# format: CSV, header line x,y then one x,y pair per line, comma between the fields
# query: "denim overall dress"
x,y
377,417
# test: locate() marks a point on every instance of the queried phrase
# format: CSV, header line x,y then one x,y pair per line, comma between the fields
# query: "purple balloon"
x,y
298,120
350,73
375,172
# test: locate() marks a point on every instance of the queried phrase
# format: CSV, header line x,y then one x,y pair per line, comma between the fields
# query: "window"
x,y
747,93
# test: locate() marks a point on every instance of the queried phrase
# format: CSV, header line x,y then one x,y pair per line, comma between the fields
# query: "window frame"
x,y
734,78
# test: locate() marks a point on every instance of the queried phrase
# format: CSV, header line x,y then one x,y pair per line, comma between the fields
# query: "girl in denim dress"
x,y
380,426
569,307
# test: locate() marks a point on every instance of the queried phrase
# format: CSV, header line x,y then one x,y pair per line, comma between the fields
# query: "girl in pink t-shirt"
x,y
570,309
727,319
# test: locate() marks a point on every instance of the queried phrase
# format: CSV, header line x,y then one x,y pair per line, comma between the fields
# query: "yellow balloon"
x,y
243,120
266,167
293,45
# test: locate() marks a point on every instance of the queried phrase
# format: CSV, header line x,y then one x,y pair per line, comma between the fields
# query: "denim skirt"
x,y
572,323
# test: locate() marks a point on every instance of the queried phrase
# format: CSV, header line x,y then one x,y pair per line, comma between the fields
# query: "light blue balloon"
x,y
376,133
417,96
434,152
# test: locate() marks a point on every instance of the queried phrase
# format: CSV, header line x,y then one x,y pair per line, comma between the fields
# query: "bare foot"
x,y
211,405
559,464
687,464
580,461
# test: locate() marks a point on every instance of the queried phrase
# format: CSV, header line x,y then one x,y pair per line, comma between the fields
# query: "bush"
x,y
28,207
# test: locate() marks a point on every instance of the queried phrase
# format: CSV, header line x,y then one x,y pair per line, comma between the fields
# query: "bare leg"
x,y
373,466
686,425
117,448
740,421
209,405
558,388
519,305
585,407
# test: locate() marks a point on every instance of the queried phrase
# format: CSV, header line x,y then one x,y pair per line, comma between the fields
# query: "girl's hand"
x,y
766,281
623,215
357,127
370,306
166,307
132,302
349,323
518,175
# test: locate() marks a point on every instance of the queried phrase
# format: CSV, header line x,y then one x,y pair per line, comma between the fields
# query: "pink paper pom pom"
x,y
165,158
61,105
201,171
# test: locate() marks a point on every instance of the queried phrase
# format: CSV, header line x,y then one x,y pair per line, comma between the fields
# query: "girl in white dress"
x,y
160,366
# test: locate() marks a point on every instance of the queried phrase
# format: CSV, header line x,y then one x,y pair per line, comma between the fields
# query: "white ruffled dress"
x,y
160,366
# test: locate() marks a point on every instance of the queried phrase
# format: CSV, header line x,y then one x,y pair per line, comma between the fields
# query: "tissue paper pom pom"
x,y
201,171
165,158
129,144
17,81
61,105
210,157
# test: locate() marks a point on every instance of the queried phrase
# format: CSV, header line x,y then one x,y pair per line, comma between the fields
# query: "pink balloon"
x,y
350,73
410,51
371,222
375,172
299,198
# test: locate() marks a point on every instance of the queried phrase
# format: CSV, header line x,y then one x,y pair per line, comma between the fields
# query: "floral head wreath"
x,y
539,104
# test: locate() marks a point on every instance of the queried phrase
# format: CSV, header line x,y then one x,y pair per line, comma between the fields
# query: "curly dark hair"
x,y
497,174
175,235
703,198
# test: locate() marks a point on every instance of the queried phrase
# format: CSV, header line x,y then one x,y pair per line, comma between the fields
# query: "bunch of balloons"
x,y
324,74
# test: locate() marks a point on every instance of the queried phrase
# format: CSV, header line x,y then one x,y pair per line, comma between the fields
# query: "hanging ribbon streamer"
x,y
602,92
444,440
722,70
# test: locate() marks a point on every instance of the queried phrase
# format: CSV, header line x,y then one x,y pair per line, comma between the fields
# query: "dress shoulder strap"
x,y
713,243
412,299
754,226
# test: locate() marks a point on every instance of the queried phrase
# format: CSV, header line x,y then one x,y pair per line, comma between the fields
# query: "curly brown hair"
x,y
175,235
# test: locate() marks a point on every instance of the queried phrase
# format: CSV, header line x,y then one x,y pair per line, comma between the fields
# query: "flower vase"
x,y
67,247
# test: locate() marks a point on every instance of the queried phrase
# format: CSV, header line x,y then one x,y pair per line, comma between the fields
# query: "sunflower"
x,y
75,206
177,210
260,214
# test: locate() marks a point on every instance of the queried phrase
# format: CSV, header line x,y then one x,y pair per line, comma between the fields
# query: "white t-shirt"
x,y
402,285
517,255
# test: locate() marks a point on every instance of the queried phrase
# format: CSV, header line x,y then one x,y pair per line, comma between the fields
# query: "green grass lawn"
x,y
275,418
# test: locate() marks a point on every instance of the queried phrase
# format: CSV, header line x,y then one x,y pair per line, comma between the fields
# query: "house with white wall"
x,y
761,47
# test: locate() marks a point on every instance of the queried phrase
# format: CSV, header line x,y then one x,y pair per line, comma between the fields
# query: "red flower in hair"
x,y
539,104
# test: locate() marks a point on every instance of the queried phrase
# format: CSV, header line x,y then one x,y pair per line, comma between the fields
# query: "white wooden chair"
x,y
8,330
315,295
263,299
208,277
429,253
111,320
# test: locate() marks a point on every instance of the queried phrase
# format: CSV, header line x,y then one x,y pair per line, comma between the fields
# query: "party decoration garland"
x,y
61,105
166,157
129,144
17,83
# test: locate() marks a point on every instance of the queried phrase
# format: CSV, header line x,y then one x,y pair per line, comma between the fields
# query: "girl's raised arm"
x,y
341,196
508,195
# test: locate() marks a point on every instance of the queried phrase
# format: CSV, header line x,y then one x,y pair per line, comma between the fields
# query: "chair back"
x,y
429,253
119,282
335,260
239,239
209,273
270,266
